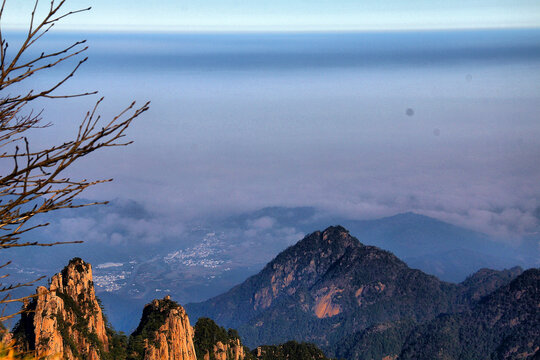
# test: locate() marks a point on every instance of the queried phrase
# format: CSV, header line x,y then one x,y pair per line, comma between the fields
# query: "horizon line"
x,y
137,30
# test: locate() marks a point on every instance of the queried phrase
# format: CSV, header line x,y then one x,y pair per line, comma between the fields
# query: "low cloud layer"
x,y
454,140
121,223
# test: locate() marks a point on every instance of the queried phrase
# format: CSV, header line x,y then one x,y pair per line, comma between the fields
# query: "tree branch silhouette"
x,y
32,180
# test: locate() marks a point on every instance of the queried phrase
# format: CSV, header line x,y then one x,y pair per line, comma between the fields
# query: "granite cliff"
x,y
65,320
213,342
164,333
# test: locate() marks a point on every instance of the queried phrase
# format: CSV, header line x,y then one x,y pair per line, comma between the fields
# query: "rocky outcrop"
x,y
237,350
233,350
5,336
164,333
290,350
66,320
213,342
325,288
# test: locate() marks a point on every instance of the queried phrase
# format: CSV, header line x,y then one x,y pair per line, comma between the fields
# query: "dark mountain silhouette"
x,y
388,339
502,325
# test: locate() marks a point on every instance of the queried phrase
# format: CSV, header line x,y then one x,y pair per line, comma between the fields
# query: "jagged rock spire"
x,y
164,333
65,321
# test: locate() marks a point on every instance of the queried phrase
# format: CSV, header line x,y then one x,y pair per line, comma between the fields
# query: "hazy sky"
x,y
243,121
283,15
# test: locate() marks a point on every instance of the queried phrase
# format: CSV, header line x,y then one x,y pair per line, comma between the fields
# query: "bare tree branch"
x,y
31,179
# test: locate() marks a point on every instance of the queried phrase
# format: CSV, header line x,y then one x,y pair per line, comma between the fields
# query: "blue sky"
x,y
289,15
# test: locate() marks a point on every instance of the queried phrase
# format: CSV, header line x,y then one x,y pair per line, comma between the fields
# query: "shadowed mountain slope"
x,y
503,325
328,286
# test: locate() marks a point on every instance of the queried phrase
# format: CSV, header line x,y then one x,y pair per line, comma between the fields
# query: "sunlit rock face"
x,y
230,351
66,320
213,342
329,286
164,333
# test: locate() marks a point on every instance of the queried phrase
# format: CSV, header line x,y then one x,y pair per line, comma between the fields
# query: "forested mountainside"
x,y
330,286
503,325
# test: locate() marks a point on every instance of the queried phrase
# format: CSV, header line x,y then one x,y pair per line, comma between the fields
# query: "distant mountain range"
x,y
329,288
327,291
447,251
135,261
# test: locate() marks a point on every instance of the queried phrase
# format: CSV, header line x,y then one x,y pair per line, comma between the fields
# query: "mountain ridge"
x,y
242,245
504,324
331,284
352,300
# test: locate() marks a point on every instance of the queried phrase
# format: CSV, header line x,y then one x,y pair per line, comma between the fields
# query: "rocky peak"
x,y
164,333
213,342
335,232
333,237
330,284
76,278
65,320
302,265
317,251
